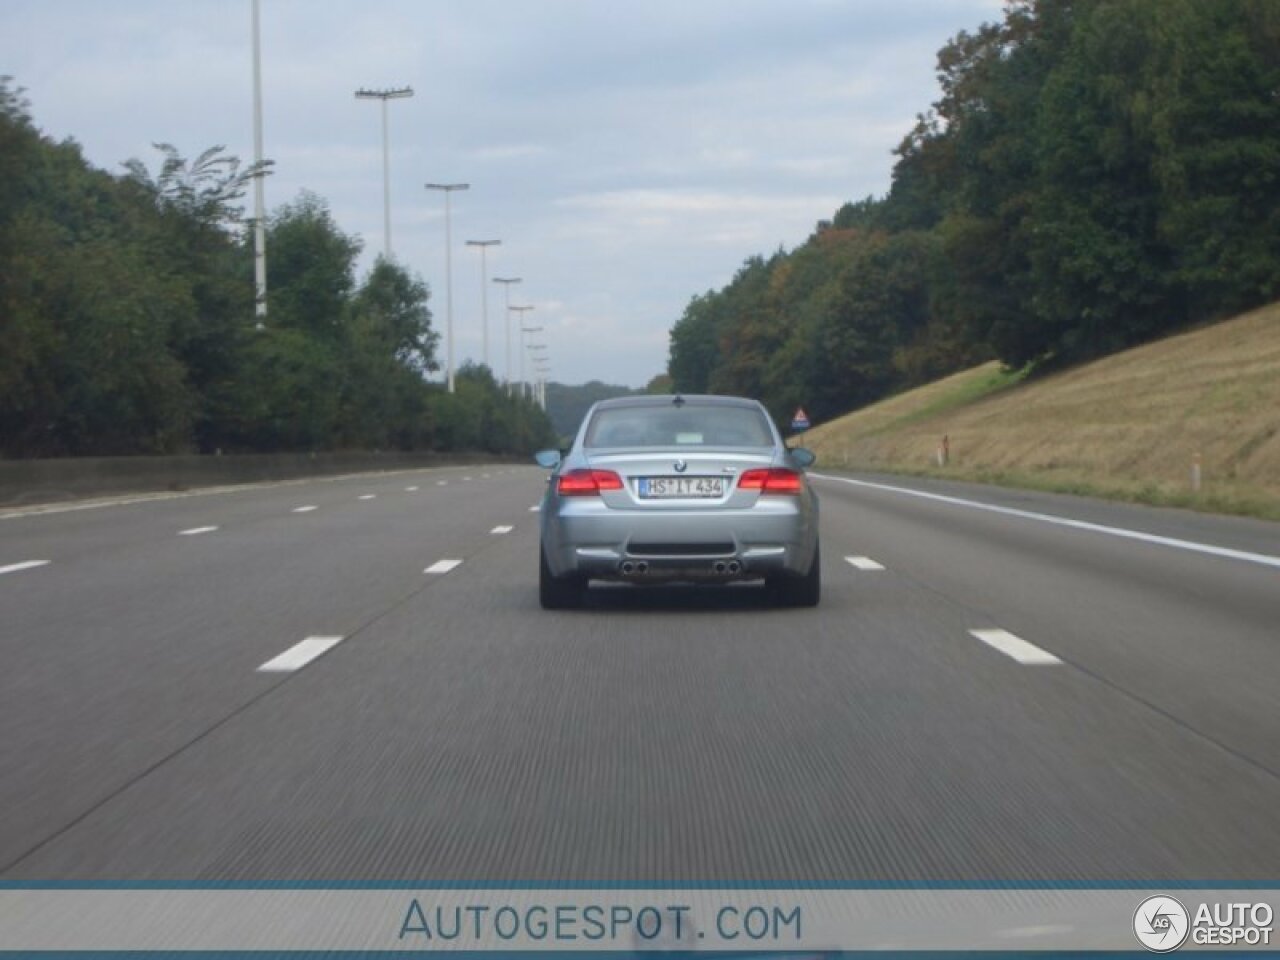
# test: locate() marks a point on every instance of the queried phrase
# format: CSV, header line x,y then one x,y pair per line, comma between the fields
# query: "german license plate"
x,y
663,488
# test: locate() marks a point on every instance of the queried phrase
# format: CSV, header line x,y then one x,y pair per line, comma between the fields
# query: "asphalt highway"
x,y
351,679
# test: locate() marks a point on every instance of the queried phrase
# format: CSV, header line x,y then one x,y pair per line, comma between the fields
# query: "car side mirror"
x,y
548,458
804,458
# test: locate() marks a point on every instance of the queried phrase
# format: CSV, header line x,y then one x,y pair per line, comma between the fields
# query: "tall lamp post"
x,y
259,213
536,359
484,246
520,312
384,96
448,189
543,370
506,323
524,384
541,367
528,385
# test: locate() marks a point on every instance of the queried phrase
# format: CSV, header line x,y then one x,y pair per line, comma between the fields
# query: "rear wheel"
x,y
558,593
804,591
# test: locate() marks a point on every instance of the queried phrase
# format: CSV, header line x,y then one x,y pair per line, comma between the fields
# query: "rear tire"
x,y
558,593
804,591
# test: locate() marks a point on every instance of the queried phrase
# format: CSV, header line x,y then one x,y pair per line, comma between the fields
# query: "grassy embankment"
x,y
1127,427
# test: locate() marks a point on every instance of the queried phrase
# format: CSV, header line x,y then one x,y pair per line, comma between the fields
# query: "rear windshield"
x,y
688,426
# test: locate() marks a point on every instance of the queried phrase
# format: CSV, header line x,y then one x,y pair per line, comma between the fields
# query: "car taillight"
x,y
776,480
587,483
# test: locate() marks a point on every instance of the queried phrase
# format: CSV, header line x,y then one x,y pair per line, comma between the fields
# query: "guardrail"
x,y
26,482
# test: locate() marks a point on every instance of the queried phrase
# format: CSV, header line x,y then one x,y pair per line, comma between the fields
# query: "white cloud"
x,y
511,151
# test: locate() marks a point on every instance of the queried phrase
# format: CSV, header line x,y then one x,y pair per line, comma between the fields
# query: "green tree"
x,y
310,269
390,347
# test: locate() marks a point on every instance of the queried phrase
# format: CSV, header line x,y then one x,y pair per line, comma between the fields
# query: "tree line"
x,y
127,320
1096,173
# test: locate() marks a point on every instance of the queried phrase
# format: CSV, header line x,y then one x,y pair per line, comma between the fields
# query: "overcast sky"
x,y
628,155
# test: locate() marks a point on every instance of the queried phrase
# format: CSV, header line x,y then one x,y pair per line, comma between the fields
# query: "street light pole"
x,y
541,367
259,204
520,312
524,384
506,323
542,386
533,382
484,246
384,96
448,189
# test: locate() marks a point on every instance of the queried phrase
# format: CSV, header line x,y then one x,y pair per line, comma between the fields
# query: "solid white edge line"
x,y
1014,646
1263,559
307,509
299,655
24,565
863,563
502,528
195,531
443,566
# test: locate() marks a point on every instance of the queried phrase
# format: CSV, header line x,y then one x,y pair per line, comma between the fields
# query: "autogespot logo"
x,y
1161,924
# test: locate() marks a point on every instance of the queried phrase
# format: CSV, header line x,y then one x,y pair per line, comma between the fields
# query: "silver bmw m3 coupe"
x,y
678,488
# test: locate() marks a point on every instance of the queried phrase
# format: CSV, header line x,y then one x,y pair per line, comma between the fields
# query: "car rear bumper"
x,y
776,536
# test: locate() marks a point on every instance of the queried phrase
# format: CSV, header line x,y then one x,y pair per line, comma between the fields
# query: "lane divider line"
x,y
466,478
1263,559
307,509
299,655
443,566
535,508
863,563
410,489
1015,647
368,496
24,565
502,528
196,531
442,483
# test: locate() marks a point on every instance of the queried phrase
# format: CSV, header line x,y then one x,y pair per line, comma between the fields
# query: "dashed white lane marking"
x,y
863,563
410,489
307,509
443,566
535,508
299,655
442,483
196,531
24,565
1015,647
466,478
1264,559
484,476
502,528
368,496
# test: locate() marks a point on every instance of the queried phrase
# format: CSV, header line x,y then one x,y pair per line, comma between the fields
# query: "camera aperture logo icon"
x,y
1161,924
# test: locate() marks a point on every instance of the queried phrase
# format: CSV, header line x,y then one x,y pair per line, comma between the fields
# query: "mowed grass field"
x,y
1129,426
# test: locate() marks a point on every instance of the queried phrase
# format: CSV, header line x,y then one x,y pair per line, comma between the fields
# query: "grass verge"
x,y
1130,427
